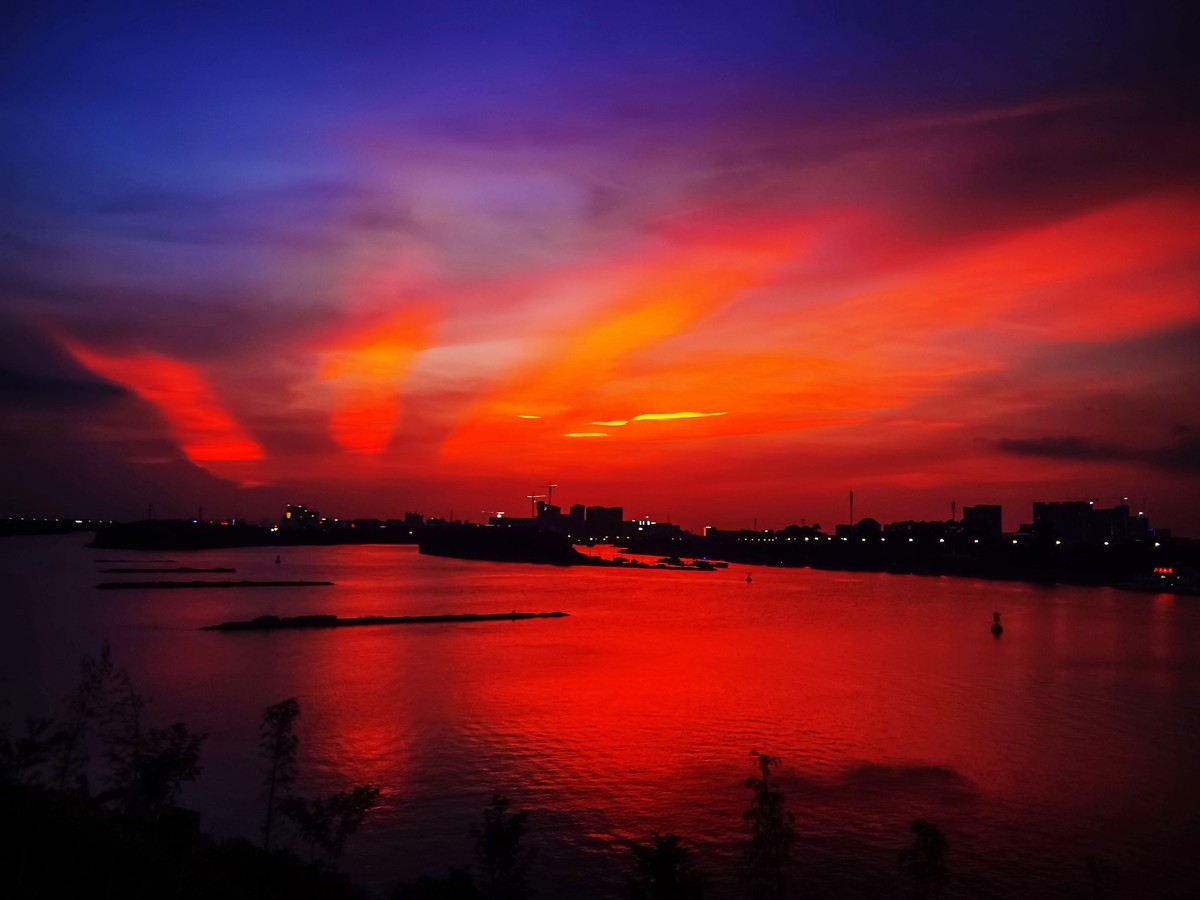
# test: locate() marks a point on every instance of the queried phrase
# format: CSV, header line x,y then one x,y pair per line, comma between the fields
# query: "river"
x,y
1073,735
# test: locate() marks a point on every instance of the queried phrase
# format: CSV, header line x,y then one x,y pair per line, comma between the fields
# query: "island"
x,y
484,542
178,570
133,585
275,623
530,545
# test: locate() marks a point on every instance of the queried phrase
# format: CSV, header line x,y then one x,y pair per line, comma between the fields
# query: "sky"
x,y
717,263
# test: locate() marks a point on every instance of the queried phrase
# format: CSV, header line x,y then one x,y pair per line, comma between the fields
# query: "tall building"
x,y
1079,522
604,522
299,517
982,521
1064,520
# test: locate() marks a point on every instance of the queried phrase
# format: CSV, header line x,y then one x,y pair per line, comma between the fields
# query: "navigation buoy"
x,y
997,628
748,578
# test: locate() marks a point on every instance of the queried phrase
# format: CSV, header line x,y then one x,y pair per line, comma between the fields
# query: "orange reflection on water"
x,y
886,696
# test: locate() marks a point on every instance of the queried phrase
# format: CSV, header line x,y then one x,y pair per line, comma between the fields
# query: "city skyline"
x,y
1078,521
724,265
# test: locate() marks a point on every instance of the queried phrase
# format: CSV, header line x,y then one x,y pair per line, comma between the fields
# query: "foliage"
x,y
71,845
925,860
146,768
664,870
278,744
457,884
772,833
501,855
1103,878
89,705
150,777
326,824
22,758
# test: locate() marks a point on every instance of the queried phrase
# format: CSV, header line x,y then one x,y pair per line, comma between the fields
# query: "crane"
x,y
550,492
533,499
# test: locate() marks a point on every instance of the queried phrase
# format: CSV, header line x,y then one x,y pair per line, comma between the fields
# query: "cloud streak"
x,y
204,430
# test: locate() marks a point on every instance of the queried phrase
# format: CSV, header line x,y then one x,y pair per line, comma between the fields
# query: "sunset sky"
x,y
714,262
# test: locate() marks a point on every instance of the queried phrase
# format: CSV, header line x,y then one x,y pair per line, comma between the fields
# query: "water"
x,y
888,700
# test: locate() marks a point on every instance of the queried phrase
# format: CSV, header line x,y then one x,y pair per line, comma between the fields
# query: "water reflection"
x,y
885,696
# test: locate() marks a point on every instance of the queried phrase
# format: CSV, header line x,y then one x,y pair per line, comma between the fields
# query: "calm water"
x,y
1075,734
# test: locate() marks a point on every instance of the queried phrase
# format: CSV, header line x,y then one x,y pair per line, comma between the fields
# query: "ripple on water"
x,y
884,695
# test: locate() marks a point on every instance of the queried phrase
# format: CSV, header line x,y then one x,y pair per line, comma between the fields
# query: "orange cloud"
x,y
1097,276
664,417
366,369
654,299
199,424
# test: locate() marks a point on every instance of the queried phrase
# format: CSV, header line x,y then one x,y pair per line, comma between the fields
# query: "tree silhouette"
x,y
772,833
22,757
149,779
148,766
87,704
326,824
1103,878
457,884
278,744
925,861
664,870
501,856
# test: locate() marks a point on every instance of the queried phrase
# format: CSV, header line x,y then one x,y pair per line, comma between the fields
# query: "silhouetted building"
x,y
604,522
644,528
923,531
1062,520
801,533
741,534
578,516
550,518
296,518
867,528
503,521
1079,522
1117,526
983,521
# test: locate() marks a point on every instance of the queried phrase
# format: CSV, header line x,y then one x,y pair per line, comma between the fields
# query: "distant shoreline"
x,y
1169,566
